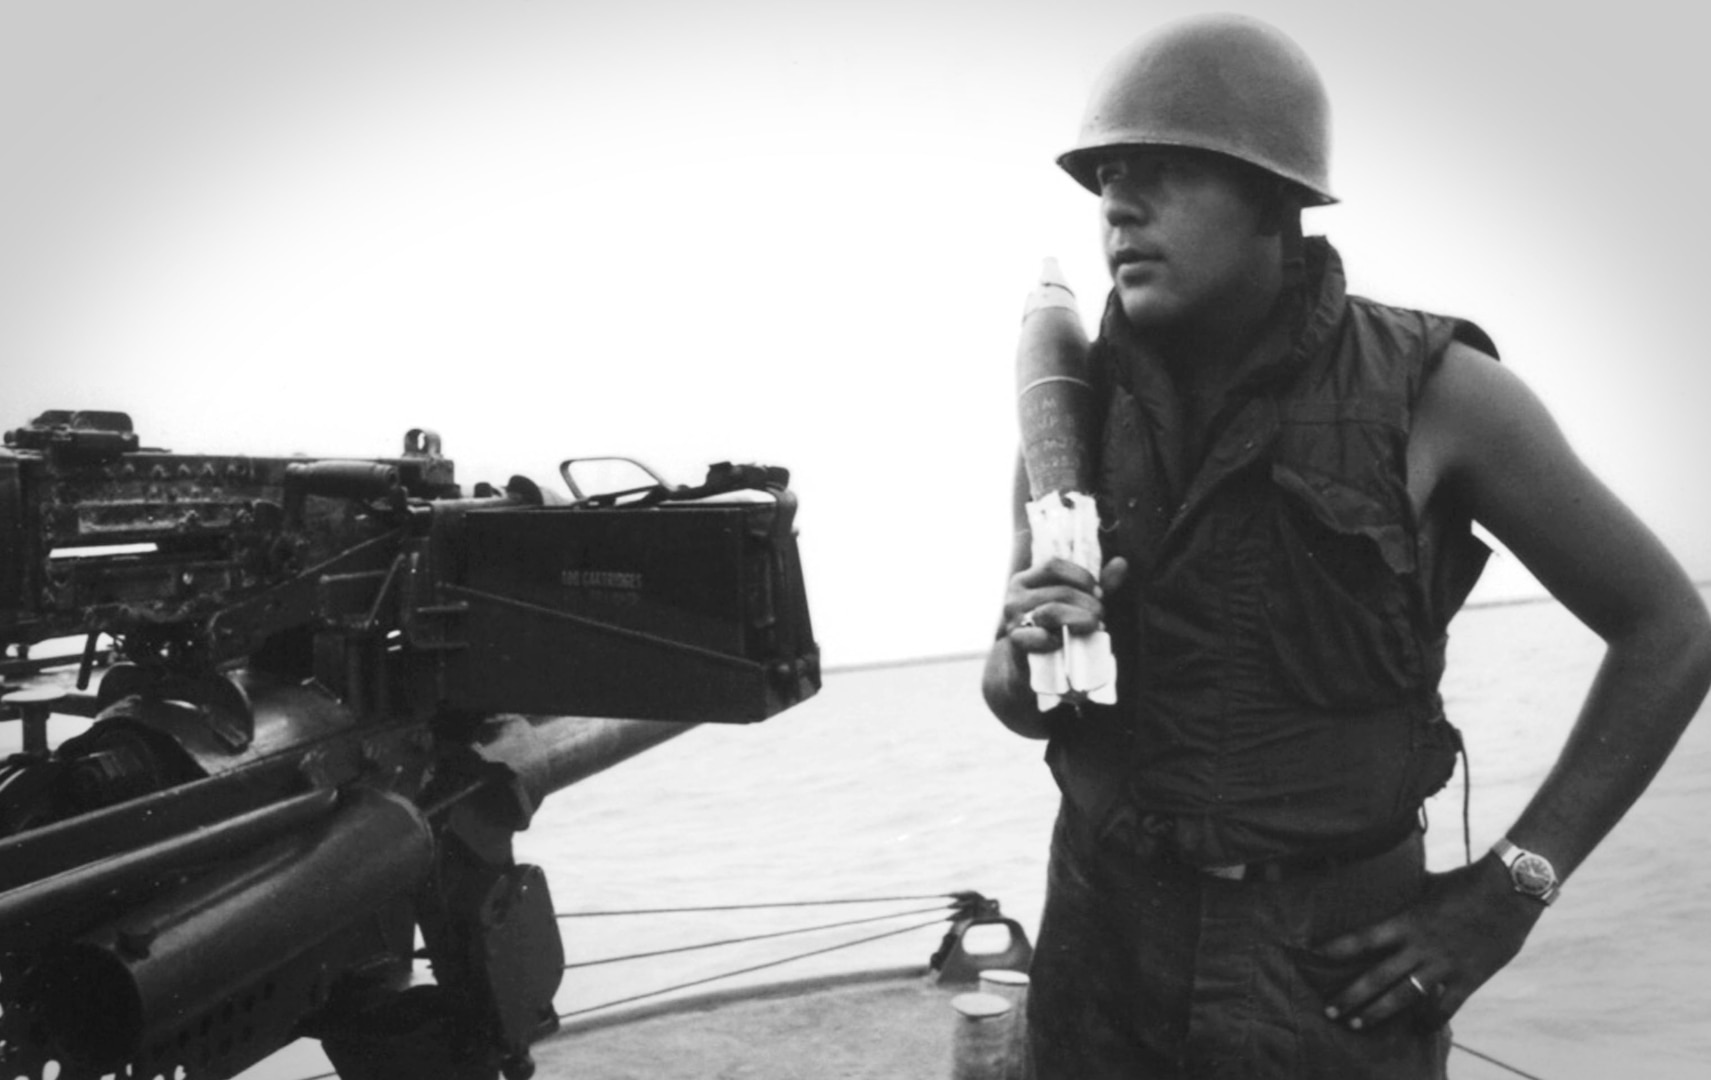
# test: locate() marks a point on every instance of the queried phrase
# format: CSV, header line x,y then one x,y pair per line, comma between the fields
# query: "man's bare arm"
x,y
1508,464
1489,446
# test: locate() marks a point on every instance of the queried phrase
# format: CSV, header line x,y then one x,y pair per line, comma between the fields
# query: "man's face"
x,y
1183,237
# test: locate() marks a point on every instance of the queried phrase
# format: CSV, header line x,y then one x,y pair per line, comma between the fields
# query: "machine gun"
x,y
338,688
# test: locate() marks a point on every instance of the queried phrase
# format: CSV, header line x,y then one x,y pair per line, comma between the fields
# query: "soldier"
x,y
1287,480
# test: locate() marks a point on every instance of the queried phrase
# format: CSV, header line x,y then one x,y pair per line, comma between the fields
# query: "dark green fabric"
x,y
1280,639
1147,968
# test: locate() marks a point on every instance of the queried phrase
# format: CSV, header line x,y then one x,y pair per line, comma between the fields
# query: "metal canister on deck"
x,y
981,1043
1012,986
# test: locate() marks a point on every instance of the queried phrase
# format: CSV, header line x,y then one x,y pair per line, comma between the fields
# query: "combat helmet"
x,y
1225,83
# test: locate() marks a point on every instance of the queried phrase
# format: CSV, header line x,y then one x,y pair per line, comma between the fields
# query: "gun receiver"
x,y
340,687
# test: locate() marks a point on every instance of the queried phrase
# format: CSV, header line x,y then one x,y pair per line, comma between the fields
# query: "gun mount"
x,y
329,691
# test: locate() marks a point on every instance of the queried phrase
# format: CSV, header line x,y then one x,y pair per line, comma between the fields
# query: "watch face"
x,y
1533,874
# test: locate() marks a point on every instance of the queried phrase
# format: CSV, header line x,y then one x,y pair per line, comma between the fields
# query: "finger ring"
x,y
1027,621
1416,984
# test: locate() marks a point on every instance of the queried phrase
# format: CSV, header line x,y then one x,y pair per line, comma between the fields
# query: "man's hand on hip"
x,y
1430,958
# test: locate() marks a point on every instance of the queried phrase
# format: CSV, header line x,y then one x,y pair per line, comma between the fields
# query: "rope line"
x,y
751,907
752,937
1494,1061
744,971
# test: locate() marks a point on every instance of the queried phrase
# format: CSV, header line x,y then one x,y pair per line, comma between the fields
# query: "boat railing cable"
x,y
746,970
754,937
754,907
958,901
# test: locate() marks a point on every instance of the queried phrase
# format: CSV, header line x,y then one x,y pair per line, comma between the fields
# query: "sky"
x,y
795,233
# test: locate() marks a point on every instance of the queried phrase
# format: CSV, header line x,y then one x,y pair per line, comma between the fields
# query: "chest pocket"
x,y
1342,589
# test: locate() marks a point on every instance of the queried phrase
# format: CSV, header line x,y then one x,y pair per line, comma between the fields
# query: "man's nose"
x,y
1120,203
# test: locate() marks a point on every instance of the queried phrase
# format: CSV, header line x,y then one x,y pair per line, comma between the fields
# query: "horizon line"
x,y
976,654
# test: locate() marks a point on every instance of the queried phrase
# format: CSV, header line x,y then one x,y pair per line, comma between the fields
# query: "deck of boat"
x,y
885,1025
892,1024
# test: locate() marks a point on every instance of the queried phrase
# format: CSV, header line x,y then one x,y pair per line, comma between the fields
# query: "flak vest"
x,y
1280,638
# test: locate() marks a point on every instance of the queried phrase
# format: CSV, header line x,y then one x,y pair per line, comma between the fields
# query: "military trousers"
x,y
1147,968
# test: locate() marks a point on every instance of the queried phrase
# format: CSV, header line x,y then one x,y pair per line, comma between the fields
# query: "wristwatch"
x,y
1531,873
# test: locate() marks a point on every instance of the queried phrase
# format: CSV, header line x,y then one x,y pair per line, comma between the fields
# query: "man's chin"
x,y
1146,311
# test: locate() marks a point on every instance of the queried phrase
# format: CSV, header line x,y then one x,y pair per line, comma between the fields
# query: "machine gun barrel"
x,y
105,998
536,756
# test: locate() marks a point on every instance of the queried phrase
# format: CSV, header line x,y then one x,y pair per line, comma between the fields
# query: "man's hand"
x,y
1432,957
1042,601
1039,604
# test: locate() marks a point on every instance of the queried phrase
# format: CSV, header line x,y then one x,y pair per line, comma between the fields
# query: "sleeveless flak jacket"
x,y
1281,636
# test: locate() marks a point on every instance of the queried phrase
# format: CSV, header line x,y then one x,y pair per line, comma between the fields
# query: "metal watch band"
x,y
1530,873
